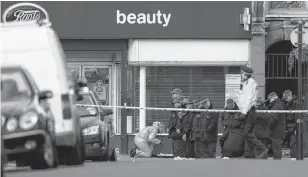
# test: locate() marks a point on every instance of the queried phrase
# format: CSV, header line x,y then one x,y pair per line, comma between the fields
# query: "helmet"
x,y
230,103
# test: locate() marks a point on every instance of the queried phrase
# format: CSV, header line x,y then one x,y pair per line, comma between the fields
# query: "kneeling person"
x,y
145,141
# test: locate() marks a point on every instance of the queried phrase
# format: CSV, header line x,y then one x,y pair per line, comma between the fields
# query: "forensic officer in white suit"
x,y
146,139
246,101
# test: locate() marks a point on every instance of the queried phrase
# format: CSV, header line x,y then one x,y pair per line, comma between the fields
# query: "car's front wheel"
x,y
48,157
105,156
77,155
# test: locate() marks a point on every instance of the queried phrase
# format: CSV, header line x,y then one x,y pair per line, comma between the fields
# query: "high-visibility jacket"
x,y
247,97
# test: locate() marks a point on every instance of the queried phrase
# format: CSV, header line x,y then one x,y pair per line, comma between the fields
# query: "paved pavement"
x,y
164,167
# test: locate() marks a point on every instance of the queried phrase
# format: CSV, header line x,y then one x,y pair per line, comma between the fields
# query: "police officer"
x,y
234,145
277,124
291,104
198,131
224,118
261,128
175,130
211,130
187,128
176,93
247,103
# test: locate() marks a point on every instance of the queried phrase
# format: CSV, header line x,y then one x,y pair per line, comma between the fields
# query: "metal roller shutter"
x,y
196,82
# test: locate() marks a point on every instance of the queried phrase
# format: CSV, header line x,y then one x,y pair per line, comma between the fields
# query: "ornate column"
x,y
142,97
257,44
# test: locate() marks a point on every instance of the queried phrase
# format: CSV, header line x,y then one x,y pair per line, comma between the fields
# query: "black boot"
x,y
132,152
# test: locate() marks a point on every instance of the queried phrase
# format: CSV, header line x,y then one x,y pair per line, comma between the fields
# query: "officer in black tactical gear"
x,y
233,145
277,124
211,130
175,129
204,131
187,128
224,118
291,103
261,128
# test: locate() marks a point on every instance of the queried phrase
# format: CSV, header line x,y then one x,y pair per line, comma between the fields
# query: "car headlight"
x,y
2,120
28,120
91,130
11,124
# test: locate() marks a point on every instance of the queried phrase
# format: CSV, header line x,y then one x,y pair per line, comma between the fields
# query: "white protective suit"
x,y
248,95
146,139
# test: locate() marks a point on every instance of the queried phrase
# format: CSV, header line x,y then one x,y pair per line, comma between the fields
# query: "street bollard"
x,y
300,139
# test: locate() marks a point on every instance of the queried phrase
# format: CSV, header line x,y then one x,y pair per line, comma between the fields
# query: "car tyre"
x,y
106,156
48,158
76,156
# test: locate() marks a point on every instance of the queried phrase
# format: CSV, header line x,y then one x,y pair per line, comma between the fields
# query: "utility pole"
x,y
299,121
299,62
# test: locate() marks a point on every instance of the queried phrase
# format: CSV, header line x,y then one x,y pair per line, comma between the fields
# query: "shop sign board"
x,y
22,12
101,90
232,86
136,19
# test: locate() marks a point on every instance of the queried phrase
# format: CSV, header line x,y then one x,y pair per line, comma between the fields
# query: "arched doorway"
x,y
277,76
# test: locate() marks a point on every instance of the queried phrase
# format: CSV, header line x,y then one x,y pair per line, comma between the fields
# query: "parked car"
x,y
36,47
28,123
97,128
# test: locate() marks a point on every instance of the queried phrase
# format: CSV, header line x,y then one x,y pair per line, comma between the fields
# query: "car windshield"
x,y
14,85
86,111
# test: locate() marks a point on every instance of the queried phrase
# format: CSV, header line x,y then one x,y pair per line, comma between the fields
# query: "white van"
x,y
36,47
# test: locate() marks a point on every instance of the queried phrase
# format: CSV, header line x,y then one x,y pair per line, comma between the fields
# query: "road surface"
x,y
164,167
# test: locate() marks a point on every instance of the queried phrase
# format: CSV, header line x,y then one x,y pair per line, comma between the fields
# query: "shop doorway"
x,y
277,74
98,77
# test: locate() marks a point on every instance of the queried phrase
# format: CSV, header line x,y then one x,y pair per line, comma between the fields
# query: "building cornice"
x,y
258,29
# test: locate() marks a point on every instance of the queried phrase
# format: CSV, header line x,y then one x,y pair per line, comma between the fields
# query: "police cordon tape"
x,y
192,110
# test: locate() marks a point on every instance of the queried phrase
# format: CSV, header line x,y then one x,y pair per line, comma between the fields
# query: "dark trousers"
x,y
178,146
265,141
252,144
293,150
233,153
277,147
210,149
249,136
223,138
189,149
204,149
199,149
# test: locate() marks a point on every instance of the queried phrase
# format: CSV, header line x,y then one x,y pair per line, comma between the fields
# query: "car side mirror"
x,y
82,83
43,95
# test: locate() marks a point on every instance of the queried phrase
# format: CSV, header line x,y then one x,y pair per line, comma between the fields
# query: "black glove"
x,y
161,143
